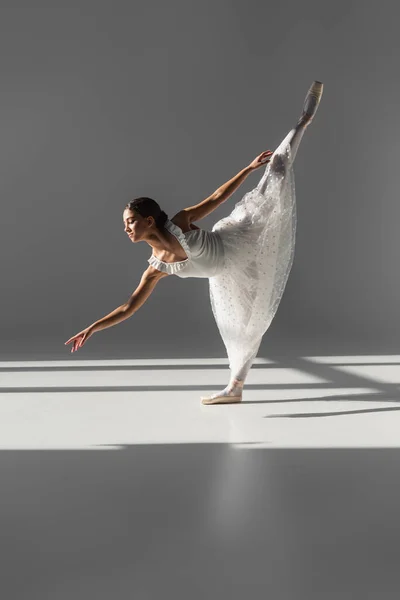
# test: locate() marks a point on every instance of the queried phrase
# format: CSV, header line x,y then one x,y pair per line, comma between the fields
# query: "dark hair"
x,y
147,207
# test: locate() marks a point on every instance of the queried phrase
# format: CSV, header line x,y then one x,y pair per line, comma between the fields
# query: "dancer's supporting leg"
x,y
236,382
233,391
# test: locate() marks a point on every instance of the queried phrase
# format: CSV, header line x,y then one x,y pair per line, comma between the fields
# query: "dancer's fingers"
x,y
267,154
71,339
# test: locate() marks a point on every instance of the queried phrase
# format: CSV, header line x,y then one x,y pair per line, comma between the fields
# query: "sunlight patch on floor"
x,y
336,401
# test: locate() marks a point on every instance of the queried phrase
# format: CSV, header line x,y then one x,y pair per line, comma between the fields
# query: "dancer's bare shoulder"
x,y
182,219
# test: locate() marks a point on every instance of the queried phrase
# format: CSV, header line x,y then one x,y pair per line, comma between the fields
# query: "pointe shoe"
x,y
311,102
221,399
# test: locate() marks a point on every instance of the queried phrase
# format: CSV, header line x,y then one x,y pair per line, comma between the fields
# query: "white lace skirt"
x,y
259,240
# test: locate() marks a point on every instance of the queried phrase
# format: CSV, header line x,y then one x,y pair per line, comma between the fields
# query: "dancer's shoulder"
x,y
182,219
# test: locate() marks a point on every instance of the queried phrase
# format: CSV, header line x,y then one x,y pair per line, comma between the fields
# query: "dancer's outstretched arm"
x,y
148,281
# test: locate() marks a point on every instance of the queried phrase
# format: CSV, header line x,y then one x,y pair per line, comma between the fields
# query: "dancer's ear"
x,y
150,220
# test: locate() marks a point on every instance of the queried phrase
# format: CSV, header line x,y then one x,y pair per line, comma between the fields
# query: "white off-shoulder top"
x,y
204,250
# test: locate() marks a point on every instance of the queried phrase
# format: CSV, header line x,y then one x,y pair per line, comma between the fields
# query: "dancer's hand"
x,y
80,338
261,160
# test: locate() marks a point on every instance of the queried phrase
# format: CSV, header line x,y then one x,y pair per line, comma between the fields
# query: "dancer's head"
x,y
142,216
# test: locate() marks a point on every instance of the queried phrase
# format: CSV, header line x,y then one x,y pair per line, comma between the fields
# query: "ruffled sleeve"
x,y
170,268
173,267
178,233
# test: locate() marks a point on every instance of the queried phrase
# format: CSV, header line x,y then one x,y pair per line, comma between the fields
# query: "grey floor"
x,y
117,482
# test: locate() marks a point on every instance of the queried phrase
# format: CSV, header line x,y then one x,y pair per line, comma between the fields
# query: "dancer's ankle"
x,y
304,121
235,384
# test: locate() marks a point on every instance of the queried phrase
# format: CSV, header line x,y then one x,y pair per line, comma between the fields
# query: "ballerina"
x,y
247,256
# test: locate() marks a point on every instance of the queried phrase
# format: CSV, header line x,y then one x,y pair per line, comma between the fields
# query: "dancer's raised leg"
x,y
311,103
295,135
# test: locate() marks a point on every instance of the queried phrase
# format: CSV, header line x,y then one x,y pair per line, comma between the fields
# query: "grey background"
x,y
102,102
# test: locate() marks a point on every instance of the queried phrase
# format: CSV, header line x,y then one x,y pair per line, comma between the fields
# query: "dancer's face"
x,y
138,228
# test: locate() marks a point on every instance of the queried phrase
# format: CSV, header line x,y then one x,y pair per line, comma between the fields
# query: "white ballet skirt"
x,y
247,258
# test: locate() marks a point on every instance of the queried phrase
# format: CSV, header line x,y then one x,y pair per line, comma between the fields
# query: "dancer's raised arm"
x,y
207,206
148,281
226,190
